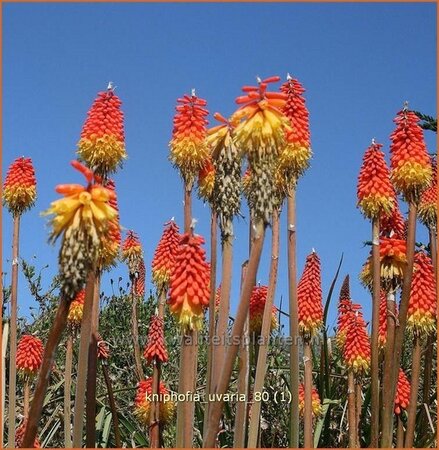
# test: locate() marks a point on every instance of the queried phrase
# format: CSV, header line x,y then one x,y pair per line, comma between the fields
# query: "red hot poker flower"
x,y
132,252
190,283
427,210
356,351
409,160
155,347
317,409
374,191
164,255
76,310
256,311
19,188
102,143
19,435
103,351
206,181
421,315
139,280
309,297
402,396
29,357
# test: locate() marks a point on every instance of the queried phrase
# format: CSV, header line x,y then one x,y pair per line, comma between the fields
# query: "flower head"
x,y
139,279
427,209
294,158
256,311
409,160
103,352
190,283
102,143
345,308
142,405
19,436
82,217
19,188
165,254
356,352
421,315
206,181
374,190
76,310
392,225
309,297
29,357
393,263
132,252
110,246
317,409
402,396
188,147
156,347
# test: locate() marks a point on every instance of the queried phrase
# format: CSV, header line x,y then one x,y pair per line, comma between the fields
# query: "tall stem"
x,y
84,345
154,427
261,366
236,335
294,321
26,396
212,318
243,379
187,382
414,388
58,326
13,336
90,411
112,406
352,416
388,401
376,290
307,418
4,345
135,332
67,393
387,418
399,432
358,406
224,305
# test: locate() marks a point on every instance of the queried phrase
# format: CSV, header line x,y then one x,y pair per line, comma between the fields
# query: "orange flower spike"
x,y
132,252
402,396
317,409
189,283
382,329
19,435
19,188
111,241
102,143
421,315
393,224
155,347
165,254
256,311
356,350
76,310
140,279
411,169
142,404
309,298
206,181
344,309
295,157
375,192
427,209
29,356
188,149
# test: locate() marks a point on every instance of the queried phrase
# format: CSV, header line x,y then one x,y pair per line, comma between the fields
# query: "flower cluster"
x,y
256,311
427,209
19,188
402,396
132,252
29,356
317,409
156,347
356,352
76,310
19,436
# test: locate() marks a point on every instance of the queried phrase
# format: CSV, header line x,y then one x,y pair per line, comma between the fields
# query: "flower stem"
x,y
67,393
135,332
112,405
236,335
261,366
212,318
358,406
376,290
13,336
294,321
387,419
84,346
352,416
154,427
26,398
307,419
59,324
399,432
414,388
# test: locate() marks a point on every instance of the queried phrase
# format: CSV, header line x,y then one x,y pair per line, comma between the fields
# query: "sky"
x,y
358,63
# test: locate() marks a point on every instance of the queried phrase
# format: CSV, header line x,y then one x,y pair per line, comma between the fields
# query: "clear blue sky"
x,y
358,62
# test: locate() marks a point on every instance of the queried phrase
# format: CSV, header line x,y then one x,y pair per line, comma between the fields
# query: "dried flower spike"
x,y
19,188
